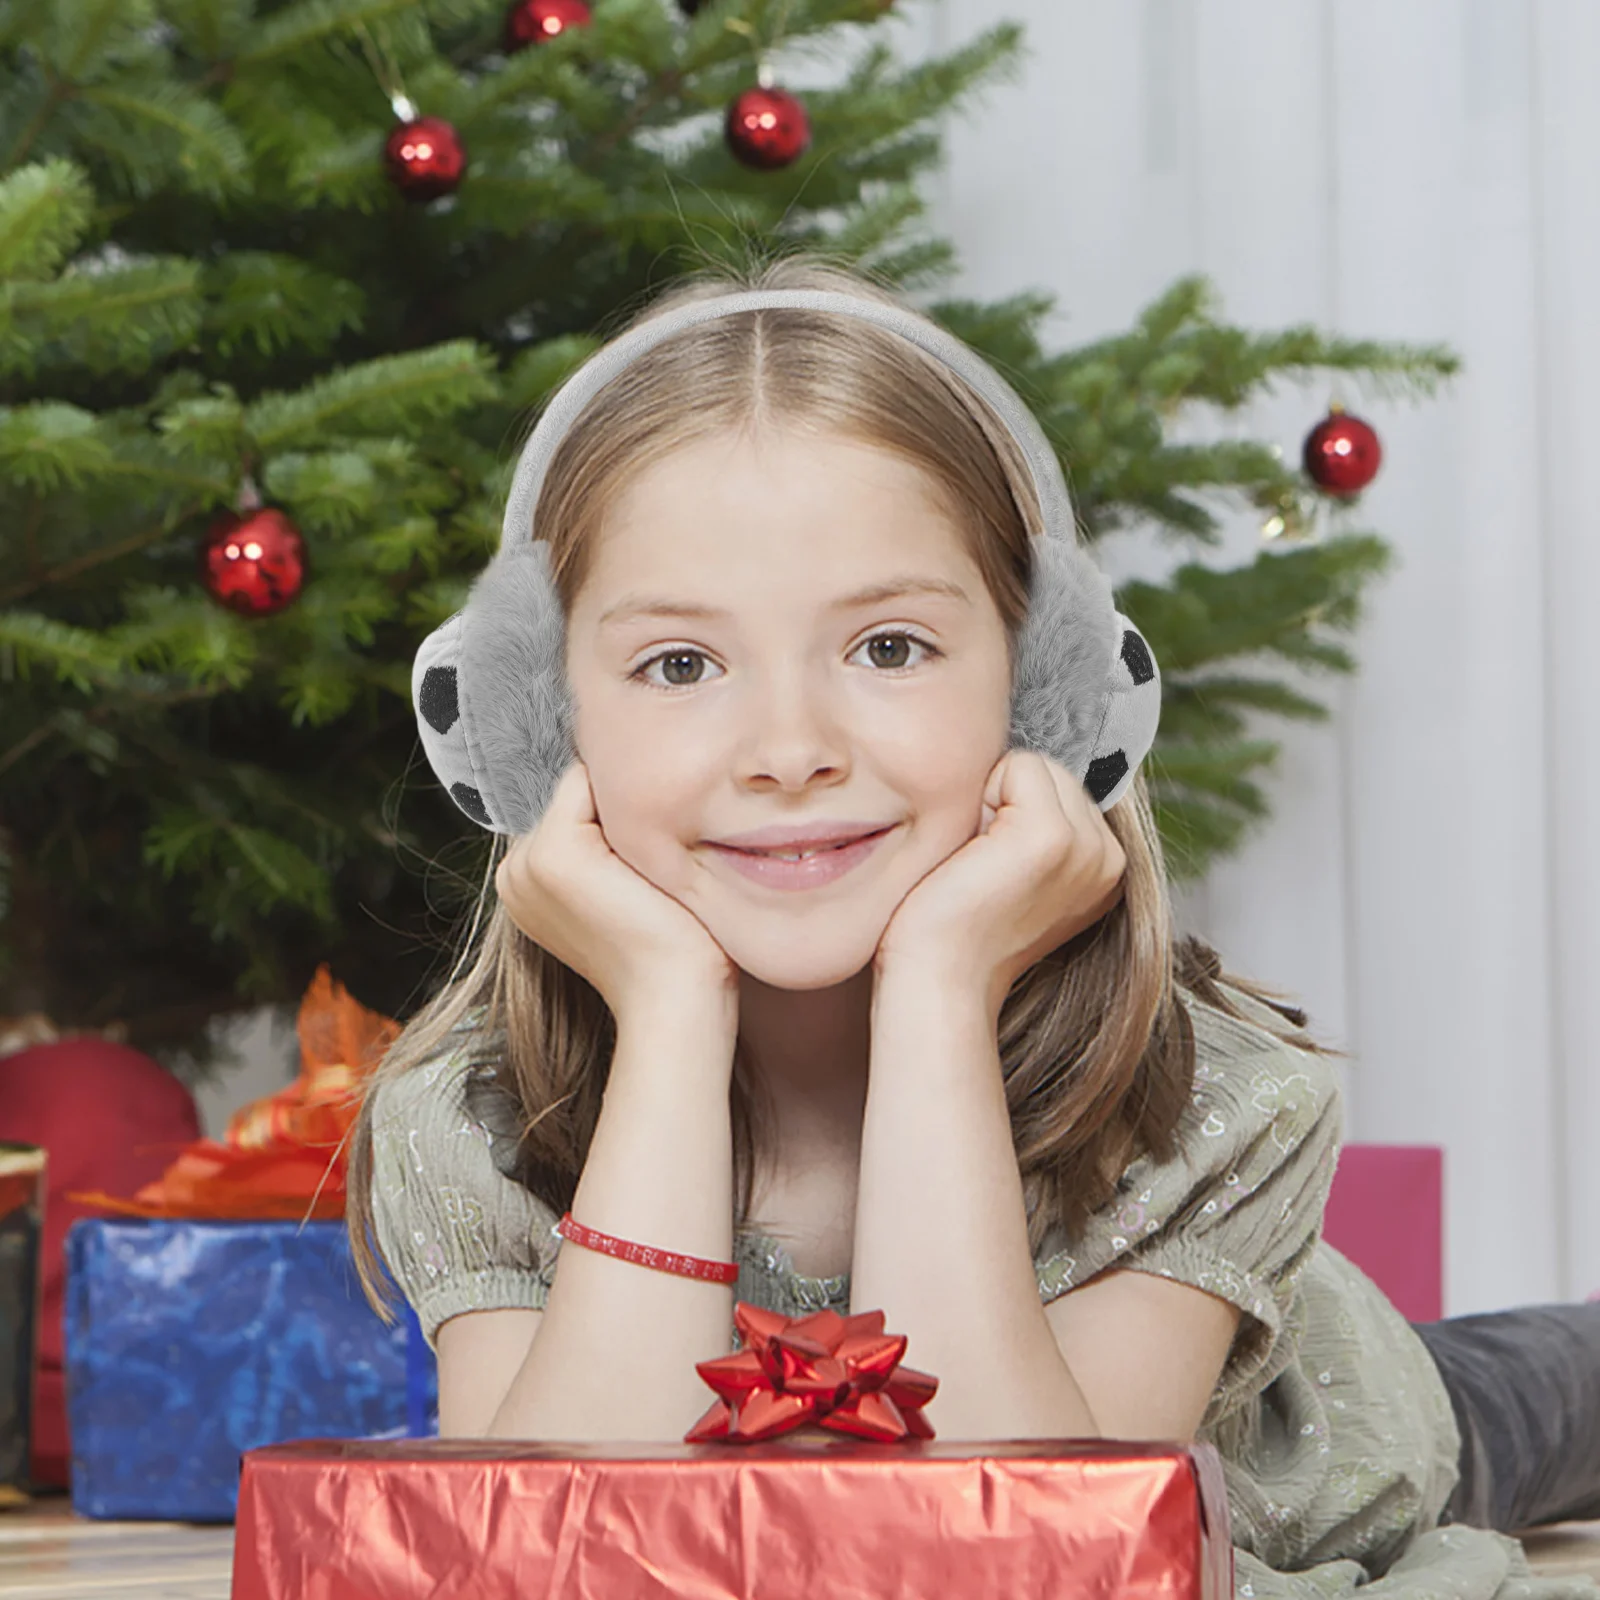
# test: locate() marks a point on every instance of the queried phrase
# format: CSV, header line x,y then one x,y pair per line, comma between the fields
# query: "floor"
x,y
45,1551
48,1554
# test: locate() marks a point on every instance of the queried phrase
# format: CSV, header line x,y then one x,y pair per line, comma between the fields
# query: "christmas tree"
x,y
281,285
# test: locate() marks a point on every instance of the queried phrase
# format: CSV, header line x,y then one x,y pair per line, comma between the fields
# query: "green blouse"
x,y
1336,1433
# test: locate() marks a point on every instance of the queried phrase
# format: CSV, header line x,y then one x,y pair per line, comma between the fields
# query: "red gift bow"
x,y
838,1372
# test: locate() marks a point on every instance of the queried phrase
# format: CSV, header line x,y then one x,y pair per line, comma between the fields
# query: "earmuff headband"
x,y
564,409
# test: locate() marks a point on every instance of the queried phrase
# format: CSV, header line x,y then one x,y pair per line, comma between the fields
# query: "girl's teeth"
x,y
804,855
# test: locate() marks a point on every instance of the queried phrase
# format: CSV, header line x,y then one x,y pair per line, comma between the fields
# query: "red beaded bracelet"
x,y
646,1255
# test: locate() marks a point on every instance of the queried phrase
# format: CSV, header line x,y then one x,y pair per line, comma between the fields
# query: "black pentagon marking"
x,y
1105,773
438,701
1136,657
471,802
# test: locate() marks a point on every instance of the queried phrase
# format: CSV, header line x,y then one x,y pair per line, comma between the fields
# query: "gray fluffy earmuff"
x,y
489,684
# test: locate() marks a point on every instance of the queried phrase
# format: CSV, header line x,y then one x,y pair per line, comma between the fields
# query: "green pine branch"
x,y
146,132
45,211
275,302
385,395
78,656
102,317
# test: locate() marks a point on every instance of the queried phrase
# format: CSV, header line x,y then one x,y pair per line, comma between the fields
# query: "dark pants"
x,y
1525,1385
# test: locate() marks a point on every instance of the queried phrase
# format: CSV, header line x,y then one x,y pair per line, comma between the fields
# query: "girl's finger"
x,y
572,799
1028,779
1075,801
991,784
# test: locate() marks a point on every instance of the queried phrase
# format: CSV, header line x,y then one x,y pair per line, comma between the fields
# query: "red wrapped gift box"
x,y
796,1518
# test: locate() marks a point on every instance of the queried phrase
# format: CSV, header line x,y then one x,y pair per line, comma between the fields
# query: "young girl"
x,y
960,1071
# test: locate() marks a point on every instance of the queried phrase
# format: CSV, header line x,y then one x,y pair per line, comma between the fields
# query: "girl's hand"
x,y
1043,867
571,893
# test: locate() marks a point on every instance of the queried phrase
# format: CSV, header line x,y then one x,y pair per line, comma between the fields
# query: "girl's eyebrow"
x,y
891,589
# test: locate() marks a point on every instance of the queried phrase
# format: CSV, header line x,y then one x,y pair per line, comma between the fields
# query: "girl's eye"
x,y
673,659
899,663
683,661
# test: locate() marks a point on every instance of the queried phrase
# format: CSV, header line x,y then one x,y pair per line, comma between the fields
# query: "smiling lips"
x,y
823,863
799,839
806,851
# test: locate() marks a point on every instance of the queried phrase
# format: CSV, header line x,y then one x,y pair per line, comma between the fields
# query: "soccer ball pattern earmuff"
x,y
494,711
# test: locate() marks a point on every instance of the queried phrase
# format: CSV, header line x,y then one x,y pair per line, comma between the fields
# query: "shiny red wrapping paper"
x,y
797,1518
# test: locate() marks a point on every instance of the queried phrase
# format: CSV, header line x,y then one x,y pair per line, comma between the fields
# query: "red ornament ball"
x,y
1342,454
254,564
425,158
767,129
535,21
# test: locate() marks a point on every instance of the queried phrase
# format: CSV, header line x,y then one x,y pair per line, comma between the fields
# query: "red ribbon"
x,y
837,1372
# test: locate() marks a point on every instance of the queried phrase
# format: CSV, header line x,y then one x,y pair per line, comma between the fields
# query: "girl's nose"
x,y
795,730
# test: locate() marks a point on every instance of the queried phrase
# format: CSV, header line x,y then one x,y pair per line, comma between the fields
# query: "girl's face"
x,y
785,698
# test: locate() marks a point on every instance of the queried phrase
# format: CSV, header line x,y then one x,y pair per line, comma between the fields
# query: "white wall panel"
x,y
1566,185
1418,173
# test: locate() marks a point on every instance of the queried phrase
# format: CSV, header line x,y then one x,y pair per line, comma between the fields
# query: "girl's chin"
x,y
795,940
780,965
798,984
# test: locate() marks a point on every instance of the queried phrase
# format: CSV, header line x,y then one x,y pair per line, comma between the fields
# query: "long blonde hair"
x,y
1096,1045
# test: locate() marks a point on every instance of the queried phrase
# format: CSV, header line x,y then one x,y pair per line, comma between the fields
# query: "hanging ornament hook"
x,y
763,45
388,76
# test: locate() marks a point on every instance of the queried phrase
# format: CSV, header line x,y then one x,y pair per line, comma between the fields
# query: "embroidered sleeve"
x,y
456,1233
1238,1212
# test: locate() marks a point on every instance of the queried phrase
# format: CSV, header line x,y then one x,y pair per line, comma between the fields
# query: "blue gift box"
x,y
188,1343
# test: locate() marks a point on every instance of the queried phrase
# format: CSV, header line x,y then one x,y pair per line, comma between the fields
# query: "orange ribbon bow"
x,y
838,1372
283,1156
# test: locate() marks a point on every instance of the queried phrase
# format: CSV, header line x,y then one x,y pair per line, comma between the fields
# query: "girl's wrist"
x,y
678,1006
682,1026
919,991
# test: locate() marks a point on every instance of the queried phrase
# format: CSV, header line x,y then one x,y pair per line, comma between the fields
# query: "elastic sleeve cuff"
x,y
493,1289
1259,1352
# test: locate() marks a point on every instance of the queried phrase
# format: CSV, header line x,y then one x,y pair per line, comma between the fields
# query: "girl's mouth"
x,y
809,871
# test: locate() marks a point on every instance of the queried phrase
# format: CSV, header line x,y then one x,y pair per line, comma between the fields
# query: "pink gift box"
x,y
1386,1213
